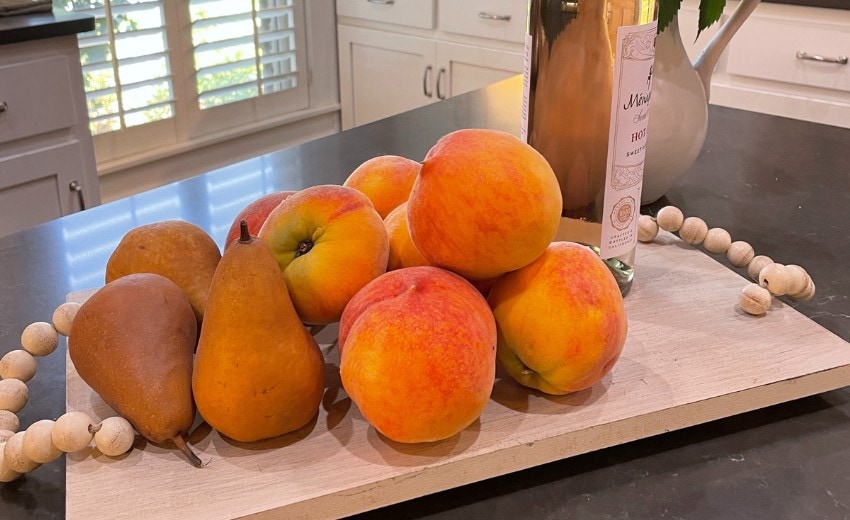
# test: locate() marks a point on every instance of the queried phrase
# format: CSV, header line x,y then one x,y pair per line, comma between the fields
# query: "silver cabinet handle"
x,y
440,75
76,187
426,82
841,60
381,2
489,16
3,106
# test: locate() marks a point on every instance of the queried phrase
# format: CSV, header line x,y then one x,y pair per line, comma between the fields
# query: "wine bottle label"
x,y
634,57
526,86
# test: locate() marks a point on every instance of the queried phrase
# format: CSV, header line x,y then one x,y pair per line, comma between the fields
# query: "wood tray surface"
x,y
692,356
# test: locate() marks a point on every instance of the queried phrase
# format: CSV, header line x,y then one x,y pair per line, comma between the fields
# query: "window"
x,y
164,73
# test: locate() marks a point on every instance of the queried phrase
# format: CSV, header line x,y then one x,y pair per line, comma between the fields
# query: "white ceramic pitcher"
x,y
678,111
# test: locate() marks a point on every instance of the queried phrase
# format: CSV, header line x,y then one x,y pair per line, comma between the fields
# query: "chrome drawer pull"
x,y
381,2
426,80
499,17
841,60
3,106
75,186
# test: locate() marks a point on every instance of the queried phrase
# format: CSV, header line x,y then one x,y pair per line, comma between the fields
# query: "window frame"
x,y
192,126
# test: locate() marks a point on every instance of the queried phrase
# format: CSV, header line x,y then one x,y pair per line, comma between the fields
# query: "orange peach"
x,y
484,203
417,353
329,242
403,252
386,180
561,320
255,214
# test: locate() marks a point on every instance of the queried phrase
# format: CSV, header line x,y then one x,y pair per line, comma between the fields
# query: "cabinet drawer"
x,y
37,96
35,186
497,19
414,13
767,49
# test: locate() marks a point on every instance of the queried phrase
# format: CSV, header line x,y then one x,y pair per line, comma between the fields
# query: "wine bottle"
x,y
587,86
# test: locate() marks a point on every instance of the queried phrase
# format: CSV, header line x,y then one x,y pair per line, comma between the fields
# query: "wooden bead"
x,y
9,421
72,432
740,253
798,279
647,228
774,278
13,455
40,338
13,395
717,241
114,436
754,300
17,364
670,218
693,230
7,474
63,316
38,443
807,294
755,266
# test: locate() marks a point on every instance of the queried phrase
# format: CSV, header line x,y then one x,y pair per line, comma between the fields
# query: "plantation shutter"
x,y
126,67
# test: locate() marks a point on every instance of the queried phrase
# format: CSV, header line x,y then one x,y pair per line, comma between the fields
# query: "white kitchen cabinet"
x,y
398,56
47,164
382,74
764,68
463,68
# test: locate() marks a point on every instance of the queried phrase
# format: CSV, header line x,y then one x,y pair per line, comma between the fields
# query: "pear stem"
x,y
184,448
244,236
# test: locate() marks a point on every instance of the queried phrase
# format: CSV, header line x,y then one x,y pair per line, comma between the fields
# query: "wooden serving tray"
x,y
692,356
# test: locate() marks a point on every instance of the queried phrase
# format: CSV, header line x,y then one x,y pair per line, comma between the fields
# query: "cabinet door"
x,y
462,68
382,74
35,186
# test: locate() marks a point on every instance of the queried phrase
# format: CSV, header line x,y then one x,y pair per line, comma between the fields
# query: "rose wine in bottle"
x,y
587,85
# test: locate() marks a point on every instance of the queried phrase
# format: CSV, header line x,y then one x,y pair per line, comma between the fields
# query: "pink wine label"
x,y
635,54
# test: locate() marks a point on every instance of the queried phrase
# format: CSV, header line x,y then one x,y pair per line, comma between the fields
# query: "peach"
x,y
403,252
561,320
255,213
386,180
484,203
418,353
329,242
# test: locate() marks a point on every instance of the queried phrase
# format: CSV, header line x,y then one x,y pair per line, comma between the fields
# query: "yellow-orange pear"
x,y
258,372
178,250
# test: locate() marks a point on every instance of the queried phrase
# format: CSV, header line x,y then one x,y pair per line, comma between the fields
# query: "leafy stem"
x,y
709,12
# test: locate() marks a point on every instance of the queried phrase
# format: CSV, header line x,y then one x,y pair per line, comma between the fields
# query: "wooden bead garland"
x,y
772,279
46,440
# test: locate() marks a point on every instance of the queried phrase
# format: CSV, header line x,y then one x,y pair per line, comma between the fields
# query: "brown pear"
x,y
180,251
258,372
132,343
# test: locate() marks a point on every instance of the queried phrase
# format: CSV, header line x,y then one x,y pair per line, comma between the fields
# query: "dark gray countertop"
x,y
25,27
779,183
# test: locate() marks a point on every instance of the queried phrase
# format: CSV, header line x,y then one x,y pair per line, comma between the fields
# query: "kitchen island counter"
x,y
780,184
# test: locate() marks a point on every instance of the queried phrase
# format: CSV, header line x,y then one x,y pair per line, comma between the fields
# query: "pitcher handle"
x,y
707,59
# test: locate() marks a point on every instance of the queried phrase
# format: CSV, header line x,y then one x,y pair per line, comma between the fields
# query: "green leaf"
x,y
667,9
709,12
